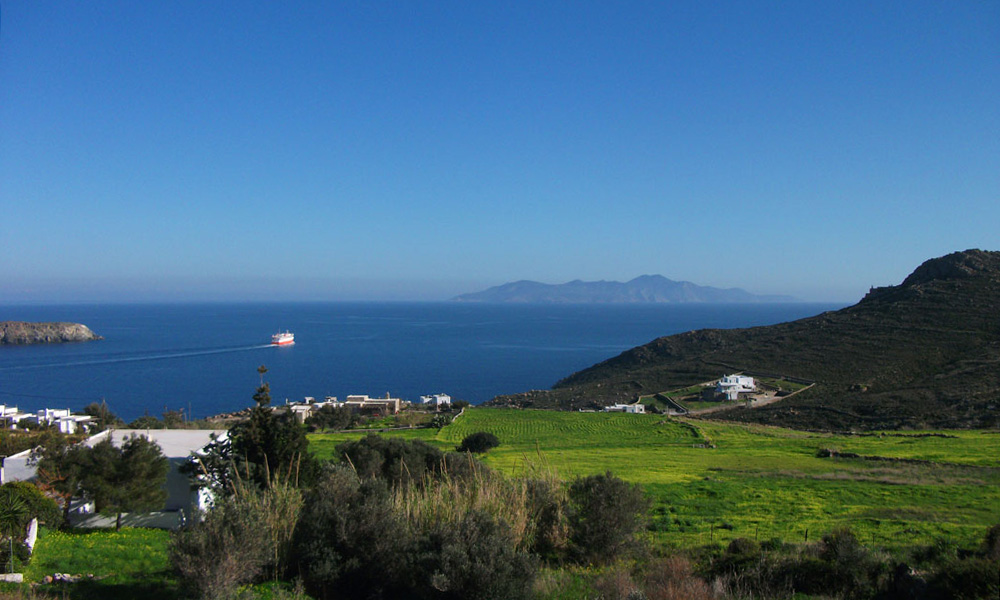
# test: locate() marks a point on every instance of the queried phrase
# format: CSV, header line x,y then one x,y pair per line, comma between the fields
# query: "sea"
x,y
203,358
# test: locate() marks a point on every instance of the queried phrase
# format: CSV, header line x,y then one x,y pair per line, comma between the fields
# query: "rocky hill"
x,y
20,332
643,289
925,353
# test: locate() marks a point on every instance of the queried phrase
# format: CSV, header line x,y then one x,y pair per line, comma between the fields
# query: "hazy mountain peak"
x,y
642,289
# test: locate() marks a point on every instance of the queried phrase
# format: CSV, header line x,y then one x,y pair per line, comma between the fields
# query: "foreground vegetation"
x,y
712,482
725,511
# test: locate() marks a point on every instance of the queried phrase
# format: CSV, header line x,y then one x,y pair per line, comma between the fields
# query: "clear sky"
x,y
190,150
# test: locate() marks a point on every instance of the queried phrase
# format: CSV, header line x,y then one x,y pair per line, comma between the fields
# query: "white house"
x,y
304,410
436,399
635,409
731,386
11,416
185,496
361,403
65,420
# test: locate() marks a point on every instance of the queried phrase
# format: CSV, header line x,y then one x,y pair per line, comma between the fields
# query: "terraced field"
x,y
714,481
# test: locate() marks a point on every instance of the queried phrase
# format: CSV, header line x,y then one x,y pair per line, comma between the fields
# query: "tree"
x,y
20,502
103,417
13,519
129,478
605,516
479,442
329,417
261,448
61,467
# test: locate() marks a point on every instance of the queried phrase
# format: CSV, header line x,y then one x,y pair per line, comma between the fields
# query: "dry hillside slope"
x,y
925,353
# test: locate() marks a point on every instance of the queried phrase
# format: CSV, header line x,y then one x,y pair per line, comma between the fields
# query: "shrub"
x,y
475,558
743,547
243,538
478,443
392,459
969,579
350,541
400,462
616,583
546,503
330,417
991,543
605,516
444,538
673,578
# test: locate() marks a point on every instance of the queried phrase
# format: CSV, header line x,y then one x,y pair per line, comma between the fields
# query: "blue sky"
x,y
416,150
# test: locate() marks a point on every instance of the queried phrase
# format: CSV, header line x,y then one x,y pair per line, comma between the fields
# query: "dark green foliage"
x,y
399,461
743,547
475,559
991,543
440,421
350,542
478,443
547,505
246,537
855,570
354,541
129,478
103,417
39,506
264,447
459,405
146,422
61,467
969,579
606,515
330,417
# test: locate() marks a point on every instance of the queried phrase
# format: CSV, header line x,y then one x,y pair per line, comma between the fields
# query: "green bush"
x,y
743,547
244,538
969,579
360,539
474,559
606,515
350,541
991,543
478,443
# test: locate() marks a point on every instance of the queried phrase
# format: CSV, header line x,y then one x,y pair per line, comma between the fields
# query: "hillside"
x,y
20,332
643,289
925,353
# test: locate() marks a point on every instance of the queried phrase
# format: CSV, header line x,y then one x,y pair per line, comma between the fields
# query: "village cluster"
x,y
186,497
363,404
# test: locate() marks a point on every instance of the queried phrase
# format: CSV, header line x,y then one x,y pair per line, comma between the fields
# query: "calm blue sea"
x,y
203,357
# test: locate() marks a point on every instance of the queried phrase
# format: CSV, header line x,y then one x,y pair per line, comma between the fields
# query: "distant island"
x,y
20,333
646,289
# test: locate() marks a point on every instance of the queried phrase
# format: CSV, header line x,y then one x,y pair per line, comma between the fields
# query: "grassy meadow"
x,y
713,481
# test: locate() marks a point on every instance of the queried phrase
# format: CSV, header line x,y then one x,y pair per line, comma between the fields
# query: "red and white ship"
x,y
283,339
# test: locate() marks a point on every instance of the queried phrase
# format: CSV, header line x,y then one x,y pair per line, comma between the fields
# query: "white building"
x,y
11,416
436,399
185,497
65,420
635,409
731,386
362,403
304,410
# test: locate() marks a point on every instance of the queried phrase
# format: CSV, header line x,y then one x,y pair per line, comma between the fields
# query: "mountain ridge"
x,y
642,289
921,354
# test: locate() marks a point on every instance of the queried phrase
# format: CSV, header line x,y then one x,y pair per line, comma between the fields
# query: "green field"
x,y
714,481
131,563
